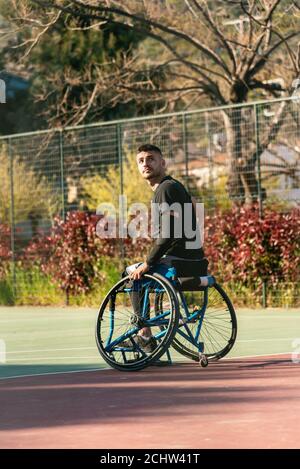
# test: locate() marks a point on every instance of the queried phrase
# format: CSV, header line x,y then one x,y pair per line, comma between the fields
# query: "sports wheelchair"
x,y
184,307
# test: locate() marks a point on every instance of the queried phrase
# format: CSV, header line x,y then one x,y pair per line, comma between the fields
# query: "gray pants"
x,y
137,297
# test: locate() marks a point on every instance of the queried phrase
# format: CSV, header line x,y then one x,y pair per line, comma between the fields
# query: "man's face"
x,y
151,164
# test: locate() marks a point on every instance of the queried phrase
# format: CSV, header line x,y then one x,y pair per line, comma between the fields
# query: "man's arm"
x,y
161,245
169,219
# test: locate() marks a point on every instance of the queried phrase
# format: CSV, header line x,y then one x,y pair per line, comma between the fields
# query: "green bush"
x,y
99,189
32,193
6,291
33,287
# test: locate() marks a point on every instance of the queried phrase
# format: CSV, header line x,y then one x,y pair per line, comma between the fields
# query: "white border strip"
x,y
55,373
53,350
33,351
257,356
109,368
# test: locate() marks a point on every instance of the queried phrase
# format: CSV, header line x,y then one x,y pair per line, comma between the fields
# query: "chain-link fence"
x,y
233,154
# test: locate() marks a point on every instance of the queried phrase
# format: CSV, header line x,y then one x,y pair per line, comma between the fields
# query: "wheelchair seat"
x,y
188,273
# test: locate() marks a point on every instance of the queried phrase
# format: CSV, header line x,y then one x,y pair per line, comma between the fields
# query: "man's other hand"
x,y
139,271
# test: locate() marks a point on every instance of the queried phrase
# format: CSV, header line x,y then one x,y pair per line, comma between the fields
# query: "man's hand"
x,y
139,271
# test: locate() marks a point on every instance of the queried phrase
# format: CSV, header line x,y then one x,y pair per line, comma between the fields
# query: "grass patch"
x,y
6,292
35,288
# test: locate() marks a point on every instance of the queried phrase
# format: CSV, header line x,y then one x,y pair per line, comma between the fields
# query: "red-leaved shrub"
x,y
240,246
70,254
243,247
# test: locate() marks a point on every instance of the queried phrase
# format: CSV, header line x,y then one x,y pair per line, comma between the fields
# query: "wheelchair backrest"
x,y
190,268
188,274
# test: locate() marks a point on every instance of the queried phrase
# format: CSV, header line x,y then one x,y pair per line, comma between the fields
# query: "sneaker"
x,y
148,345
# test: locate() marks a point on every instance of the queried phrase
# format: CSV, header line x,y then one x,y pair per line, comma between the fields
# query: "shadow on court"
x,y
99,397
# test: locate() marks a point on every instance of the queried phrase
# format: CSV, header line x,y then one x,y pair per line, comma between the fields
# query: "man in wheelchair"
x,y
176,230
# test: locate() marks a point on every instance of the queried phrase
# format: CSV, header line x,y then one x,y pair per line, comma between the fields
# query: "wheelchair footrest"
x,y
196,283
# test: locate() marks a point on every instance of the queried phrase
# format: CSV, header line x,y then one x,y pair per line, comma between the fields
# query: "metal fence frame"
x,y
119,124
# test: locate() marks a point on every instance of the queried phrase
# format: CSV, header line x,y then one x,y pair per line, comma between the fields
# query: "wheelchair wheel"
x,y
118,325
219,327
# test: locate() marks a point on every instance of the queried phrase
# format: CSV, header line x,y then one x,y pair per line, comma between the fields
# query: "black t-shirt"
x,y
175,227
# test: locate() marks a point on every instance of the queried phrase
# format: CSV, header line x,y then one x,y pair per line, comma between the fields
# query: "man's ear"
x,y
164,163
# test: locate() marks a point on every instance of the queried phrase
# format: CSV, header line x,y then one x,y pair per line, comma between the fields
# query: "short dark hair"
x,y
149,147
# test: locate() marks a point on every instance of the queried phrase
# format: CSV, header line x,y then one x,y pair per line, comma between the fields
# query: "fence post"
x,y
260,199
257,145
210,161
121,219
62,187
62,173
185,147
12,220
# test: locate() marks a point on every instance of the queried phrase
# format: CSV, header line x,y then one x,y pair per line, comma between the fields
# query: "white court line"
x,y
240,316
48,318
17,360
273,339
55,373
97,357
281,339
108,368
257,356
51,350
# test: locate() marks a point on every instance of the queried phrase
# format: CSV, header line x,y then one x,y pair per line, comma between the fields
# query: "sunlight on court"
x,y
54,340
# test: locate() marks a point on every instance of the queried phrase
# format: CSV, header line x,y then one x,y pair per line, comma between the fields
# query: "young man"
x,y
177,233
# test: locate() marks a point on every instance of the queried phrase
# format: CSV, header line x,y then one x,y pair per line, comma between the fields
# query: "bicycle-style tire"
x,y
107,334
218,330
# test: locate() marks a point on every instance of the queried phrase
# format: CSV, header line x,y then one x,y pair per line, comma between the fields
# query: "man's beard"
x,y
151,175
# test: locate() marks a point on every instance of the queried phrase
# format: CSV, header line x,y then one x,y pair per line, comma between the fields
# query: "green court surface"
x,y
37,340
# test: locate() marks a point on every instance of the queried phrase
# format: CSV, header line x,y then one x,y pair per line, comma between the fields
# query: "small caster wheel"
x,y
203,361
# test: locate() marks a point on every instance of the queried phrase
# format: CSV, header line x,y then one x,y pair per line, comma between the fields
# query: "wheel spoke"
x,y
218,328
117,317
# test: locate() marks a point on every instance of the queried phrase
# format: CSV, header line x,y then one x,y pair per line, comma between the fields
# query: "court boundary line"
x,y
51,350
257,356
281,339
17,360
54,373
111,369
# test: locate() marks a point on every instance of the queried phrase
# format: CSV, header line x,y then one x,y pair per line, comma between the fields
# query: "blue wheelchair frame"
x,y
170,274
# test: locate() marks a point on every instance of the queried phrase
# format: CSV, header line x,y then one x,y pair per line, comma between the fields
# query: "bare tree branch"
x,y
192,53
207,15
33,41
260,62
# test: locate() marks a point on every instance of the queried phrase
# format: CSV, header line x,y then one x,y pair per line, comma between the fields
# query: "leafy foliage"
x,y
243,247
73,254
240,246
69,254
5,252
32,194
106,189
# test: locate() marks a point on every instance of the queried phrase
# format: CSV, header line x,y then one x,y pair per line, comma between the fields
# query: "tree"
x,y
20,113
106,189
33,195
66,82
222,52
